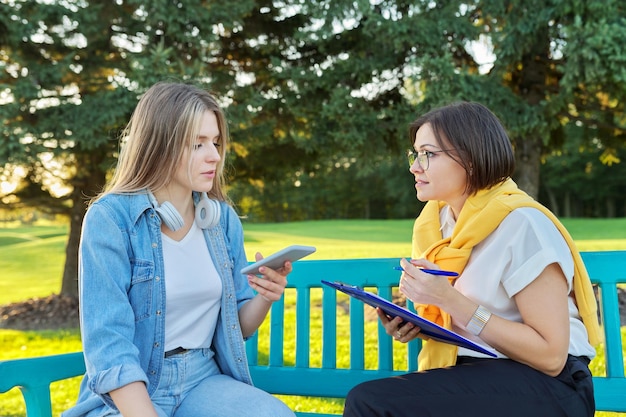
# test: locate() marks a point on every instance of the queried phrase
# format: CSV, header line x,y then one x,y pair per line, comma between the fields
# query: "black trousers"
x,y
478,387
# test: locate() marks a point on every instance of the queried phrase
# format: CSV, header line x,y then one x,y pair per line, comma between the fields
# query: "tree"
x,y
72,73
583,179
319,94
61,104
371,66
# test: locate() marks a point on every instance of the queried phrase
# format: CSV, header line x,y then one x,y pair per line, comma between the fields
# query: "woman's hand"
x,y
271,285
397,328
421,287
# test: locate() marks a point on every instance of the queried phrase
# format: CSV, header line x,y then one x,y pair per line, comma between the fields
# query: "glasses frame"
x,y
422,157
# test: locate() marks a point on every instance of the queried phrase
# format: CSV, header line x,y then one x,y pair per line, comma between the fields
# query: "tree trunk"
x,y
530,79
611,208
554,202
69,285
568,205
87,183
527,164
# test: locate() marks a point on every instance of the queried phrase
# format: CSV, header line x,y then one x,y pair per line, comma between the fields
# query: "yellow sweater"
x,y
481,215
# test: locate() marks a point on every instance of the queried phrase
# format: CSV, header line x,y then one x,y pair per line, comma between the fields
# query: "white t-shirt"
x,y
193,292
509,259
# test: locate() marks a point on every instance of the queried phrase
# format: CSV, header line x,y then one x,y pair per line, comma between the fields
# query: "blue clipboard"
x,y
430,329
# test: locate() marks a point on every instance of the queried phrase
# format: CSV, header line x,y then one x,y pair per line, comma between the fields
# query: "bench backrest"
x,y
303,360
327,379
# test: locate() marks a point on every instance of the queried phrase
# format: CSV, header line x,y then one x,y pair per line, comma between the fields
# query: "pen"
x,y
433,271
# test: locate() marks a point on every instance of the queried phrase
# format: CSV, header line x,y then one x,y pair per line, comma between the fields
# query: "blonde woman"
x,y
164,309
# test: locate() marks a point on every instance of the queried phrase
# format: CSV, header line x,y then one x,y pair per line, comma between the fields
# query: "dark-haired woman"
x,y
522,291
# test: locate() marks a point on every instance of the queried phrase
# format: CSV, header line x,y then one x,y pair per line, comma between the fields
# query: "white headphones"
x,y
207,212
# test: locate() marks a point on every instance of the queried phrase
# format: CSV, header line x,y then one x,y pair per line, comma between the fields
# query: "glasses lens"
x,y
422,159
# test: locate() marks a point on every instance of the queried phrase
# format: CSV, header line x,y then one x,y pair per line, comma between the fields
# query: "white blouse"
x,y
509,259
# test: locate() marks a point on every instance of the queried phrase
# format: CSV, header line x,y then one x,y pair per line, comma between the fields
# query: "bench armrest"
x,y
33,377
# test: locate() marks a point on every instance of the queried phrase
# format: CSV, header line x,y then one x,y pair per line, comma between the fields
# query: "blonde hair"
x,y
164,124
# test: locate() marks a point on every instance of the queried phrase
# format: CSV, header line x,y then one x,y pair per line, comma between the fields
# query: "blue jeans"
x,y
192,385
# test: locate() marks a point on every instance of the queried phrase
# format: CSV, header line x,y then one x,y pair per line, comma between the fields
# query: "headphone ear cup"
x,y
168,214
207,212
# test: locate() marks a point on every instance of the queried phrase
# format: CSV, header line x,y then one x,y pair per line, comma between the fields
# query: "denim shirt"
x,y
122,298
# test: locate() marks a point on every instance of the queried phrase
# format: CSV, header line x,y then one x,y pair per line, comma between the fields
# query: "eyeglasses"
x,y
422,157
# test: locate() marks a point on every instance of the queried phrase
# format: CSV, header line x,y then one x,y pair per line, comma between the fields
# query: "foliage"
x,y
319,93
583,179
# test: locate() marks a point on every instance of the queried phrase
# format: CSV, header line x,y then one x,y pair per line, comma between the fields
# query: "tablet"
x,y
430,329
277,260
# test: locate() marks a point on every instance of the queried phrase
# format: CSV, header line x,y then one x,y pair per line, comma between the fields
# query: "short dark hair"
x,y
474,137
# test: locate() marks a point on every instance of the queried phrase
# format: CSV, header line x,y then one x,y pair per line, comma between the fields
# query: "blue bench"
x,y
302,360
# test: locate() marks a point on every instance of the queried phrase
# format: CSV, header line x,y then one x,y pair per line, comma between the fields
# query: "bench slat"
x,y
314,382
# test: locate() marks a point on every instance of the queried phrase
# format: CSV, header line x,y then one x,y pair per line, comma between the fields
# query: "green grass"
x,y
598,234
31,261
32,258
340,239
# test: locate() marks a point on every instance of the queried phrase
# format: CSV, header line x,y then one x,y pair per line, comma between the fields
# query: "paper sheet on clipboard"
x,y
430,329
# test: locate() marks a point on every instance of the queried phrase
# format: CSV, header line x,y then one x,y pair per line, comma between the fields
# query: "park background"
x,y
319,95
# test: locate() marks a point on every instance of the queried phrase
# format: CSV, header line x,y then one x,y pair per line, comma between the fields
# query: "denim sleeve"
x,y
108,273
234,238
